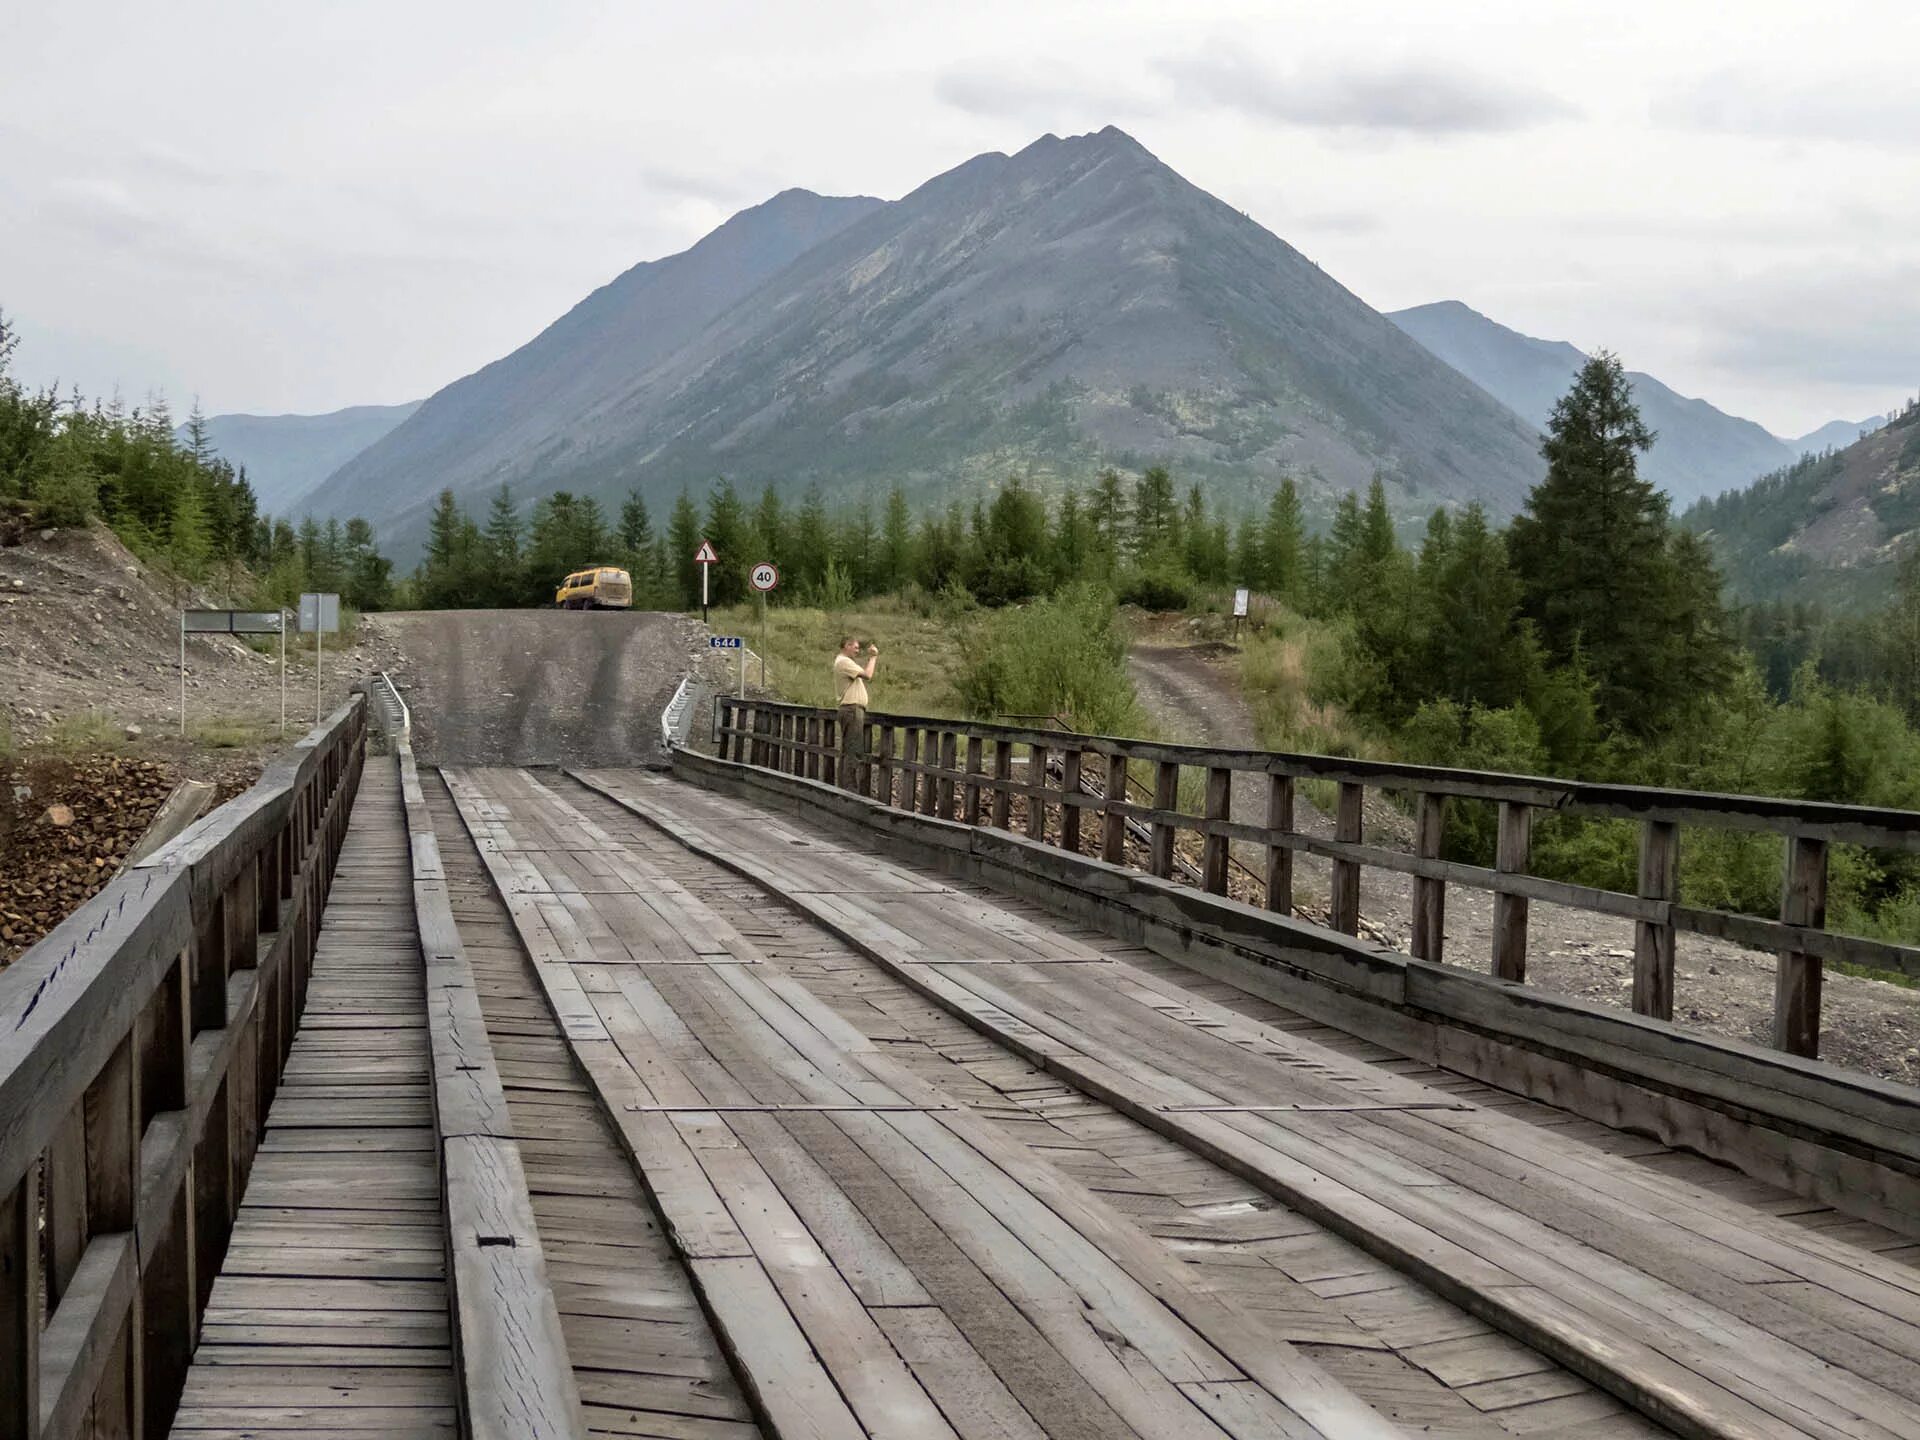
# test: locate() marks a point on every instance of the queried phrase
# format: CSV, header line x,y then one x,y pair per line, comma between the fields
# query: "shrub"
x,y
1063,655
1164,589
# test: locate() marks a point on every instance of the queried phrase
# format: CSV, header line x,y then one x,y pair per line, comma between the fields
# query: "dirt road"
x,y
532,687
1193,693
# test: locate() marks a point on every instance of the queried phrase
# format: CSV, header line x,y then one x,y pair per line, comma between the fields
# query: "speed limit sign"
x,y
763,577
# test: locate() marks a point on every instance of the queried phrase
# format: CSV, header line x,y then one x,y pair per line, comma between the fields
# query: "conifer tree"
x,y
1282,542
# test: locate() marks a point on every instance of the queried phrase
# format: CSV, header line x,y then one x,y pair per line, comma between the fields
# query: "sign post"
x,y
732,642
764,577
233,622
706,557
1239,610
319,613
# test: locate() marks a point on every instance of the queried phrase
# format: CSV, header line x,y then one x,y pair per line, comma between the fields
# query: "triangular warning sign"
x,y
705,554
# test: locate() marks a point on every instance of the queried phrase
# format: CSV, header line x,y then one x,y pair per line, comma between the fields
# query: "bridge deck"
x,y
823,1145
329,1316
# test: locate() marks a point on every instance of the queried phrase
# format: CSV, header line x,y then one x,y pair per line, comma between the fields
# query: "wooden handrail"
x,y
140,1045
797,739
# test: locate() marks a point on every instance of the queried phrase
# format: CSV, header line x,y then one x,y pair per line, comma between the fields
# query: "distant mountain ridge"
x,y
1075,304
1835,435
287,456
1700,450
1830,527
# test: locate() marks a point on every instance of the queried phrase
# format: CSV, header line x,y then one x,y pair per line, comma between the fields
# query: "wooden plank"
x,y
1653,942
1429,894
1512,847
1279,876
1219,807
1343,909
1071,791
1113,825
1803,901
1166,795
20,1282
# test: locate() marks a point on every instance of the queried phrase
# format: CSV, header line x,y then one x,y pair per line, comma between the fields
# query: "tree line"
x,y
65,461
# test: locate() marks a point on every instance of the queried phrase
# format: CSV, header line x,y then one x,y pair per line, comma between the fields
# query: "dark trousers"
x,y
853,748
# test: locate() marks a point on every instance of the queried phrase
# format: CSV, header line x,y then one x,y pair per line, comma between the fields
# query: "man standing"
x,y
850,683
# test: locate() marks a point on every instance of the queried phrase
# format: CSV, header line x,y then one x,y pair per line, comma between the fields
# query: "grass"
x,y
232,733
9,747
919,654
85,732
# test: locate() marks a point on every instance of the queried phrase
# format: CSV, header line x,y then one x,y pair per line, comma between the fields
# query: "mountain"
x,y
1835,435
1075,304
1700,450
287,456
1828,527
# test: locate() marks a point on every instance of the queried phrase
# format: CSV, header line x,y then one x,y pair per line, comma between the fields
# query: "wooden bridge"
x,y
969,1093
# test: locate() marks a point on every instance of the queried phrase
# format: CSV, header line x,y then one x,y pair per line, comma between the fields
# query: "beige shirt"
x,y
849,680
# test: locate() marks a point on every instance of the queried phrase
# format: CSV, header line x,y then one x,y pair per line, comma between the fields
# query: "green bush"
x,y
1161,589
1066,655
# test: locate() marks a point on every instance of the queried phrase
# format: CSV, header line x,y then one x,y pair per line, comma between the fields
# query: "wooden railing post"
x,y
1796,991
1037,792
1113,824
1653,940
1280,857
830,741
726,724
976,748
949,761
1166,796
1070,791
1511,853
885,768
909,769
1213,848
929,781
1429,894
1344,906
1003,779
20,1308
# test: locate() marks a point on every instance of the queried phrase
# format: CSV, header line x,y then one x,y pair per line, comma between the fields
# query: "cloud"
x,y
1866,111
996,91
1403,99
1854,328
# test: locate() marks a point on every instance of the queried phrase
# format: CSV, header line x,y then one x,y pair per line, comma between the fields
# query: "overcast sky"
x,y
280,206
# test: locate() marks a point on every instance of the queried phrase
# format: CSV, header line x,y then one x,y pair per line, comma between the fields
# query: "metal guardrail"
x,y
394,702
671,716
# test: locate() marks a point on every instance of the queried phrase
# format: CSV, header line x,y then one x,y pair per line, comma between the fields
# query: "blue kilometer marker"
x,y
725,642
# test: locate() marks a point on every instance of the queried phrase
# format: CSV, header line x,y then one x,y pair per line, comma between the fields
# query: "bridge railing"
x,y
140,1045
1073,787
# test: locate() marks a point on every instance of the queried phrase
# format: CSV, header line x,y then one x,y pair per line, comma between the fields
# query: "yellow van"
x,y
603,587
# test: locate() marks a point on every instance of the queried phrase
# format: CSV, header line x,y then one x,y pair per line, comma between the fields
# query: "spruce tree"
x,y
683,542
1596,569
896,542
1282,543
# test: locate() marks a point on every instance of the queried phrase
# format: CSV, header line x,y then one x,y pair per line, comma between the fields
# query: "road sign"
x,y
725,642
320,613
231,622
706,554
763,577
1239,604
234,622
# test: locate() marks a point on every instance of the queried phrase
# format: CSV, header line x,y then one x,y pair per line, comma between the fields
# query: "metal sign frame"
x,y
320,613
234,622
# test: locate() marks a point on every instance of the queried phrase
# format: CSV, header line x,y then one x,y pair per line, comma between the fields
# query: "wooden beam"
x,y
1344,908
1653,941
20,1308
1166,795
1003,777
1512,850
970,810
1796,992
1279,857
1429,893
949,758
1213,850
1113,824
1037,798
1070,792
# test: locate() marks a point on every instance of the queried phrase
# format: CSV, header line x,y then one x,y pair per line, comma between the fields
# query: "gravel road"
x,y
540,687
1193,693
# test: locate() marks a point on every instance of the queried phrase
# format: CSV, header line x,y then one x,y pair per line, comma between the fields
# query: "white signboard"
x,y
320,613
763,577
1239,604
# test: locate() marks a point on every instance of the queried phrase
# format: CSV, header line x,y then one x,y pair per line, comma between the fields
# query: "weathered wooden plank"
x,y
1803,901
1653,942
1512,847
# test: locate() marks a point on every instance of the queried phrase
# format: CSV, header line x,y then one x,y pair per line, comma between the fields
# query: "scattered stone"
x,y
59,815
133,732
